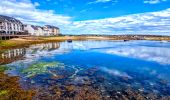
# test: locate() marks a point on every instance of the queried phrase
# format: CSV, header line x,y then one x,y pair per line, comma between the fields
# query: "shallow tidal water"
x,y
91,70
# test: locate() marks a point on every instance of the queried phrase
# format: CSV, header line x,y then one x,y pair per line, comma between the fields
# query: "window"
x,y
1,27
1,23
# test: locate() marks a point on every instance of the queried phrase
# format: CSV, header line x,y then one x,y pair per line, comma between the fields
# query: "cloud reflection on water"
x,y
145,50
115,72
157,54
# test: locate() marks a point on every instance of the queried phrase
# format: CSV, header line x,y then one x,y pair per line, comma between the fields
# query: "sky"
x,y
93,16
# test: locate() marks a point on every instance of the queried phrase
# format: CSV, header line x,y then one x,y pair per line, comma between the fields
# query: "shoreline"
x,y
26,41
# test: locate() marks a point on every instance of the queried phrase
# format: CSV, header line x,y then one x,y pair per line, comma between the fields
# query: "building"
x,y
42,31
10,26
52,30
34,30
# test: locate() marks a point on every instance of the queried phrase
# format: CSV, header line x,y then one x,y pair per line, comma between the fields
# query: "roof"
x,y
49,26
36,27
10,19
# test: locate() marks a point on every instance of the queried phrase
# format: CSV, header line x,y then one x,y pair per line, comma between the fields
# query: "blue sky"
x,y
90,9
93,16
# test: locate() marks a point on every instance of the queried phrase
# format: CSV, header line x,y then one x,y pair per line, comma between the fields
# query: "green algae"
x,y
3,92
10,89
3,68
40,68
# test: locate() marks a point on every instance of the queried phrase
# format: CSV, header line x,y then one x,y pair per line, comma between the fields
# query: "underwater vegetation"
x,y
41,68
3,68
10,88
86,74
90,85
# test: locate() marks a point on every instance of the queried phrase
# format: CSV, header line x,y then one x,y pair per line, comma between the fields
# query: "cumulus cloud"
x,y
27,12
154,1
144,23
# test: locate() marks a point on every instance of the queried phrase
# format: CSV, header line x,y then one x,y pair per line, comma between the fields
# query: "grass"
x,y
26,41
8,43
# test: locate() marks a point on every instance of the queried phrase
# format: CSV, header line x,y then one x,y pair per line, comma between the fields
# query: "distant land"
x,y
26,41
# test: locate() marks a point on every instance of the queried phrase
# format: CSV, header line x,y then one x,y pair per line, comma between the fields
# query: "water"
x,y
87,70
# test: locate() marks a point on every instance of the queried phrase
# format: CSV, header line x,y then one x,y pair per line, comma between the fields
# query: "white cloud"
x,y
154,1
26,11
36,4
101,1
151,23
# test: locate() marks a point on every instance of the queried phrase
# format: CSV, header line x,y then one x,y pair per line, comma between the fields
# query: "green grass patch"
x,y
7,43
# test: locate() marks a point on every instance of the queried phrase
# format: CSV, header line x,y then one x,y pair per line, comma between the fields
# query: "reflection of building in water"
x,y
12,55
46,46
18,54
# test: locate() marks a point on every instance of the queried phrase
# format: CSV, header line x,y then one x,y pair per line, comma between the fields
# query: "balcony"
x,y
2,28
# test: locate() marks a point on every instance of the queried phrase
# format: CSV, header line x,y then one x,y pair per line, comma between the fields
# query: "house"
x,y
52,30
34,30
10,26
41,31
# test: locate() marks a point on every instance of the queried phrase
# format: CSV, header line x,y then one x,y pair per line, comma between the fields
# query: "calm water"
x,y
87,70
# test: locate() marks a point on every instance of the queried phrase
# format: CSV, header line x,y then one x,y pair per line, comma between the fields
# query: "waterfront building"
x,y
42,31
52,30
34,30
10,26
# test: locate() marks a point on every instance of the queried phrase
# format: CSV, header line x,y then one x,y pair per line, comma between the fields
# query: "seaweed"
x,y
3,92
10,89
3,68
40,68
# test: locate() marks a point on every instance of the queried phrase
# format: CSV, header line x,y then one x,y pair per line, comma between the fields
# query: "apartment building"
x,y
47,30
10,26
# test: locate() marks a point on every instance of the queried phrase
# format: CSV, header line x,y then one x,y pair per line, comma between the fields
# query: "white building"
x,y
42,31
34,30
52,30
10,26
